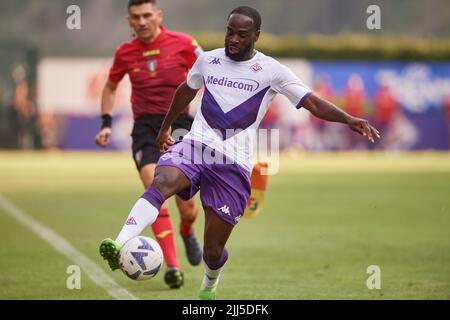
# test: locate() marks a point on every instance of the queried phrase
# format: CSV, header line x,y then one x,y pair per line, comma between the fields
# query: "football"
x,y
140,258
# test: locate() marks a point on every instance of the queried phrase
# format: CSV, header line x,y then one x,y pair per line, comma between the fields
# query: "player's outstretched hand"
x,y
363,127
164,140
102,138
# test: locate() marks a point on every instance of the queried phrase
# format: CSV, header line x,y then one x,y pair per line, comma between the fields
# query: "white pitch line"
x,y
94,272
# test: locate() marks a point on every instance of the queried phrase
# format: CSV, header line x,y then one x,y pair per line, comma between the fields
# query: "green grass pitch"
x,y
327,218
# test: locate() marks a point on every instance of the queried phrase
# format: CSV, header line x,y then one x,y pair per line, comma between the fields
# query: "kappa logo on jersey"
x,y
215,61
131,221
225,209
256,67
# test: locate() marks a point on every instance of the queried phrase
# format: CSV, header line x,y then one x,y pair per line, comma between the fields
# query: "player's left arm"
x,y
326,110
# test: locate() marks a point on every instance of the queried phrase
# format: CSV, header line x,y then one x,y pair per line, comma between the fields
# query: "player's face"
x,y
145,19
240,38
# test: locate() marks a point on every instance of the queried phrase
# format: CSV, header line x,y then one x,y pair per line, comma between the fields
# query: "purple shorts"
x,y
224,186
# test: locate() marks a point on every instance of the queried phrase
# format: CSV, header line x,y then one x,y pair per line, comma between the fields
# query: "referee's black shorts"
x,y
145,130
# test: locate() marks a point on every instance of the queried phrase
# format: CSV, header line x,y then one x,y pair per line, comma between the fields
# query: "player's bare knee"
x,y
163,184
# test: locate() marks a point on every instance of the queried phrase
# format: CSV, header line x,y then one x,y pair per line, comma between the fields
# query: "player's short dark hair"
x,y
139,2
249,12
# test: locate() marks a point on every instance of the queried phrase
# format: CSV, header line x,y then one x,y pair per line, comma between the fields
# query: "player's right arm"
x,y
183,96
108,95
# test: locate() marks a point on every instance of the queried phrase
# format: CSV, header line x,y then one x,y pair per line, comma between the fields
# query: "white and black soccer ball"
x,y
141,258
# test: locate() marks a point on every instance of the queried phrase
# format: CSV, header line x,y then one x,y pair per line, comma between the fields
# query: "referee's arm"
x,y
108,96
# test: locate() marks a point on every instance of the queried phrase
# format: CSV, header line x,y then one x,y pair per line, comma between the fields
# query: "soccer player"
x,y
239,84
157,61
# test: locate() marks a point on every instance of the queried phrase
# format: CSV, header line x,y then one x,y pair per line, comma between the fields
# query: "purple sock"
x,y
155,197
215,265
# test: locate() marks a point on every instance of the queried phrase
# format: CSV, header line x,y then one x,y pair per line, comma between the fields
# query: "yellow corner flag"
x,y
258,193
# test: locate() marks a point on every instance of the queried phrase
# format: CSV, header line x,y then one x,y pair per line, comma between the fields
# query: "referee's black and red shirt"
x,y
155,69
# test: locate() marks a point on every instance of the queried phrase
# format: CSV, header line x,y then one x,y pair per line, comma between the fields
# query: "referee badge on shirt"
x,y
151,66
